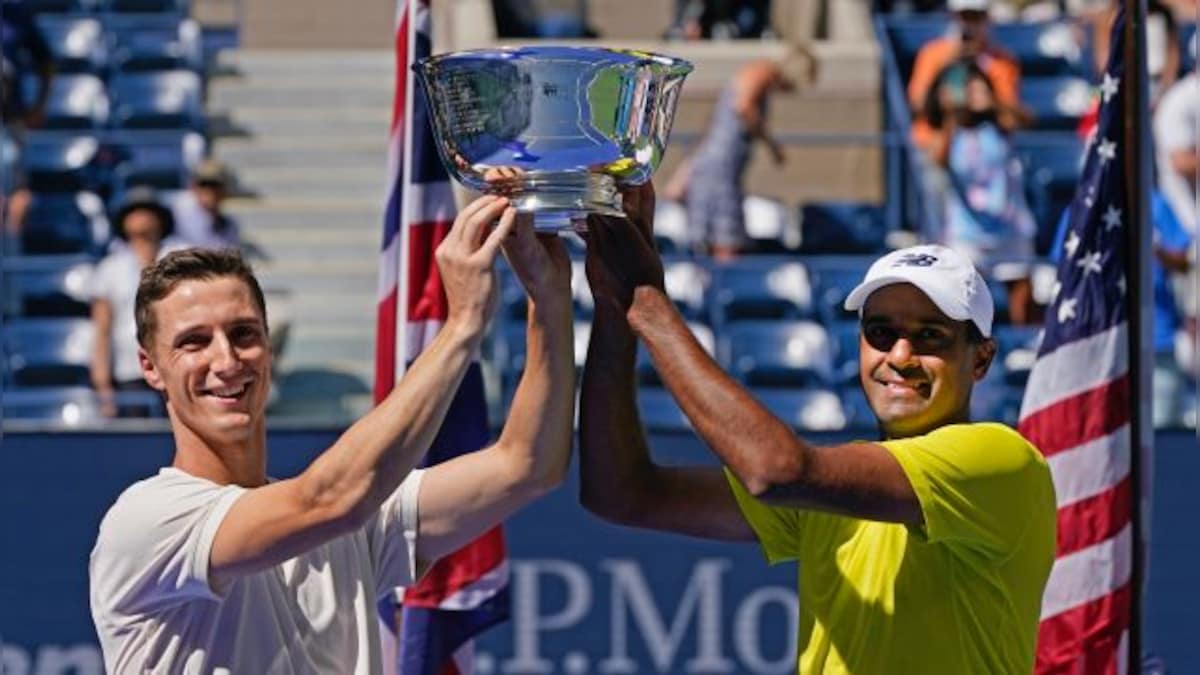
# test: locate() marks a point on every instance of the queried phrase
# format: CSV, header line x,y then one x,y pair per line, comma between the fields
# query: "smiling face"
x,y
917,365
209,354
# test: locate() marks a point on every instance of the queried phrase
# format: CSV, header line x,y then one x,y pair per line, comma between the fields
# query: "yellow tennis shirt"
x,y
960,594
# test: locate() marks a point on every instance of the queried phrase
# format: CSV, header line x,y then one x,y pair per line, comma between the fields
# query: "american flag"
x,y
467,591
1078,407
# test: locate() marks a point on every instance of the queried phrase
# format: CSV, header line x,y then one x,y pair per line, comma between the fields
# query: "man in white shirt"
x,y
1176,139
211,567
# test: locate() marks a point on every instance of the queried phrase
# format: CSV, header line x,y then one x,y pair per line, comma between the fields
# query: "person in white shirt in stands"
x,y
211,566
199,219
1177,139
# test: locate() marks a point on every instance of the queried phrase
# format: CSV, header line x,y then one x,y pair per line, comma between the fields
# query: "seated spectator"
x,y
1177,141
23,51
144,234
199,220
1171,256
721,19
967,40
985,215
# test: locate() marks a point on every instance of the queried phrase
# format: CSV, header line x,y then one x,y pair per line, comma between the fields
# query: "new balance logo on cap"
x,y
915,260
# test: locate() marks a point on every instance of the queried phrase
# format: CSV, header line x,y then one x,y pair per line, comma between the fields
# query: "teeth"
x,y
230,391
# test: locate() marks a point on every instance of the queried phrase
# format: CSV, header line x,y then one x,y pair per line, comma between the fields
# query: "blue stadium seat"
x,y
37,286
647,375
1048,48
48,352
1052,171
858,411
56,162
70,407
771,225
804,409
833,279
687,284
154,42
777,353
659,411
671,234
76,102
158,100
78,42
147,6
760,289
1018,347
1056,102
845,343
60,6
159,160
842,227
64,223
994,401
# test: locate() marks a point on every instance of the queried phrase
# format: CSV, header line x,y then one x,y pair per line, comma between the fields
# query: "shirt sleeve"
x,y
392,536
978,484
100,287
783,532
154,545
1173,126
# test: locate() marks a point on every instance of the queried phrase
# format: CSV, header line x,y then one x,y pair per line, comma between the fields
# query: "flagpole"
x,y
1139,245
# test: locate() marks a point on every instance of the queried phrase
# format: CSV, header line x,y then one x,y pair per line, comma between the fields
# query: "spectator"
x,y
1162,45
1177,139
23,51
1171,245
966,40
144,229
710,181
721,19
199,220
985,214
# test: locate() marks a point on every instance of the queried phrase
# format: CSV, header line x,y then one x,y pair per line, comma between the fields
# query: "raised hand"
x,y
621,256
540,262
466,261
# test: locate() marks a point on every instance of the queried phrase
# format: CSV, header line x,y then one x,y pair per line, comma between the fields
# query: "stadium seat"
x,y
78,43
48,352
833,279
71,407
37,286
671,228
858,411
64,223
60,6
804,409
777,353
1187,52
147,6
154,42
760,289
1018,347
55,162
1056,102
842,227
157,100
687,284
994,401
659,411
75,102
770,224
1047,48
1052,171
159,160
845,343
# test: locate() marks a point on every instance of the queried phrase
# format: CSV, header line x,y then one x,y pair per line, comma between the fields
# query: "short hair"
x,y
158,280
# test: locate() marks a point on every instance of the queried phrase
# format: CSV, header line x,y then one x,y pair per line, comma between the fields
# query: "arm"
x,y
857,479
753,85
618,480
346,485
100,367
1186,163
463,498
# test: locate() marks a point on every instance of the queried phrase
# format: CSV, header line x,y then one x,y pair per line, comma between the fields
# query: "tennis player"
x,y
210,566
923,552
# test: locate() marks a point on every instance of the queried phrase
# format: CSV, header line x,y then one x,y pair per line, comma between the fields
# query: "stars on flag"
x,y
1071,244
1112,218
1107,151
1109,87
1122,285
1066,310
1089,262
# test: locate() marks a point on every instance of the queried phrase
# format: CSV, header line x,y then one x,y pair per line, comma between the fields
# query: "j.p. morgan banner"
x,y
587,597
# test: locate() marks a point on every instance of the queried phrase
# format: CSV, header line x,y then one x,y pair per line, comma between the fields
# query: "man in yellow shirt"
x,y
925,552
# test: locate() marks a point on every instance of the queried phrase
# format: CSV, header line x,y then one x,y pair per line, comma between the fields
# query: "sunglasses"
x,y
925,340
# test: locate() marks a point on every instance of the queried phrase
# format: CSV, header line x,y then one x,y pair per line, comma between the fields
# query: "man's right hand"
x,y
466,260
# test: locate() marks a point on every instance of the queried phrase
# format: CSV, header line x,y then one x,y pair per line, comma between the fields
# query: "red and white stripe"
x,y
1077,410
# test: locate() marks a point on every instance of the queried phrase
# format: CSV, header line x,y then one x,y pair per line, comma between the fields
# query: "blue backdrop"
x,y
587,596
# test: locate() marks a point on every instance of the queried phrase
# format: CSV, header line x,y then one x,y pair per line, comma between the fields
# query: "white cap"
x,y
967,5
946,276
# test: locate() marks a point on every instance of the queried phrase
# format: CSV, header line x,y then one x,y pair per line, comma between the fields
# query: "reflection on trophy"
x,y
556,129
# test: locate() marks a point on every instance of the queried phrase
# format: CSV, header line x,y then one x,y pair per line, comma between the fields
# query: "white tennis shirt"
x,y
155,611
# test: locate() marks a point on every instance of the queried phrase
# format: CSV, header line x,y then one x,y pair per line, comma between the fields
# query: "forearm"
x,y
614,461
536,439
759,448
374,455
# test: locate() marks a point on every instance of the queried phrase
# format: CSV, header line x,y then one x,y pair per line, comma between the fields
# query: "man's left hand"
x,y
540,262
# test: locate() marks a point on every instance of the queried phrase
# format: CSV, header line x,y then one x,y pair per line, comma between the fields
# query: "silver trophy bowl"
x,y
555,129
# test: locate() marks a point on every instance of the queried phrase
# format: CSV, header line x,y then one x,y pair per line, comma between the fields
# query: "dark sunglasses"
x,y
926,340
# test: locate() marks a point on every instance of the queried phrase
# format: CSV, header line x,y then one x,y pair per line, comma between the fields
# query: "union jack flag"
x,y
1078,409
466,592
